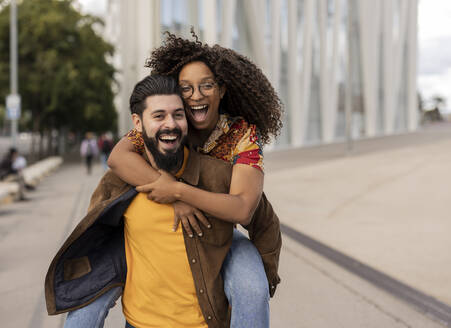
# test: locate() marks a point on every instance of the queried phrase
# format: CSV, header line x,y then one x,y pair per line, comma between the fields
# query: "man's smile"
x,y
169,140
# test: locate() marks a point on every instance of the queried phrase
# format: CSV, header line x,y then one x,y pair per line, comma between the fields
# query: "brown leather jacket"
x,y
92,259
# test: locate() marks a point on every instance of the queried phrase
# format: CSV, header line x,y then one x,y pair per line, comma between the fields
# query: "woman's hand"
x,y
163,190
189,216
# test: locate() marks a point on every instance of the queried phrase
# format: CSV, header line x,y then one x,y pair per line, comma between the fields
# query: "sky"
x,y
434,39
434,44
96,7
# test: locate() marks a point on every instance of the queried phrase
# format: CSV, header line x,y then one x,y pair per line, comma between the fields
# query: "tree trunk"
x,y
49,150
34,139
62,141
41,144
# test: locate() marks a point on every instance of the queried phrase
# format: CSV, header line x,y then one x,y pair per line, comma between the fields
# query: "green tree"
x,y
65,79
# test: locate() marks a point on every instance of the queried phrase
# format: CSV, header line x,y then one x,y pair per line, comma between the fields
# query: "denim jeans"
x,y
245,286
94,314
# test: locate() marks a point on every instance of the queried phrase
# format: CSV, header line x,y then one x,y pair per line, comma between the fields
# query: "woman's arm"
x,y
130,166
238,206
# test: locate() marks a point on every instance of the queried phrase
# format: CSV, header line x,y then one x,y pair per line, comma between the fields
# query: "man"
x,y
159,290
105,144
171,280
12,165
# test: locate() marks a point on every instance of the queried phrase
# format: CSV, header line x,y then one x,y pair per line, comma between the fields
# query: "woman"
x,y
232,110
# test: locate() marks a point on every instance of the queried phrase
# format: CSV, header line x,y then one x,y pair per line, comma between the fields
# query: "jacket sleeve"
x,y
264,232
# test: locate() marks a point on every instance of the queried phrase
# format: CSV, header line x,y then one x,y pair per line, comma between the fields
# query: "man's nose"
x,y
170,123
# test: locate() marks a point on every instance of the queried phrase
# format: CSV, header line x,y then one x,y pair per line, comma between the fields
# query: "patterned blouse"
x,y
233,140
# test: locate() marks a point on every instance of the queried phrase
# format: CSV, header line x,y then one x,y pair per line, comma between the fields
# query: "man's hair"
x,y
249,93
12,150
152,85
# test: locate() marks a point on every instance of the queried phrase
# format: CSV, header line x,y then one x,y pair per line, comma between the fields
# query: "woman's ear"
x,y
222,91
137,122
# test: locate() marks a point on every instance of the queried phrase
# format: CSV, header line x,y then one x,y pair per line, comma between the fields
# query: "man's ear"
x,y
137,122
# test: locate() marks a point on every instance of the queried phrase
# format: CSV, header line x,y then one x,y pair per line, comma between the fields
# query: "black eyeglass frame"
x,y
199,87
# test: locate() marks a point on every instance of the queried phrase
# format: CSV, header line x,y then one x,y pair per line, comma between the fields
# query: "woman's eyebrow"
x,y
210,77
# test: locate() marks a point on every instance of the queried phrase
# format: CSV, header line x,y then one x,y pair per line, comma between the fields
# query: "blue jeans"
x,y
245,286
94,314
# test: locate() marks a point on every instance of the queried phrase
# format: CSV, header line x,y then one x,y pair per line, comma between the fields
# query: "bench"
x,y
33,174
9,191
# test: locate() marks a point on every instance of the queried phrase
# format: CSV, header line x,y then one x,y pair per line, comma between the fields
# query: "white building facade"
x,y
343,68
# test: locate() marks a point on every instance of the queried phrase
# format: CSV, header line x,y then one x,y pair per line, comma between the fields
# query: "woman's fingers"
x,y
195,225
186,226
201,217
176,224
144,188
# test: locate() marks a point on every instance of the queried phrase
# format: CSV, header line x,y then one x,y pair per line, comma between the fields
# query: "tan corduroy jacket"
x,y
92,259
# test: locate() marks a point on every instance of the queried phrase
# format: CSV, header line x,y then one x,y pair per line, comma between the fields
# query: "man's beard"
x,y
168,161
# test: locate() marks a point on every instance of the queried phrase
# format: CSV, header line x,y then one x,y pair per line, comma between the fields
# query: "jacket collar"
x,y
192,169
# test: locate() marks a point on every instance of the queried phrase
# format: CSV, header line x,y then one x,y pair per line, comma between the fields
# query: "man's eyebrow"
x,y
158,111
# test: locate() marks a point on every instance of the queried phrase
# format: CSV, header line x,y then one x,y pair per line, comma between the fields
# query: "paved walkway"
x,y
385,205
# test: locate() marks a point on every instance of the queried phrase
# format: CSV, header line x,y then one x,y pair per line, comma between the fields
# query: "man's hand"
x,y
163,190
188,214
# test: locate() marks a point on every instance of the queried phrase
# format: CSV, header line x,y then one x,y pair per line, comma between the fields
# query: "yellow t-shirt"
x,y
159,290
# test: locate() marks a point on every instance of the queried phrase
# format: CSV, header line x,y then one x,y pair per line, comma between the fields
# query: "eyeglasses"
x,y
206,89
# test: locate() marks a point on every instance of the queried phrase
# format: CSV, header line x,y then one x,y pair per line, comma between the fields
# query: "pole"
x,y
13,64
349,75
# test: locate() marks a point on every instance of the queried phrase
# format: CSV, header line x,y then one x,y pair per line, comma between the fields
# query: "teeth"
x,y
199,107
169,138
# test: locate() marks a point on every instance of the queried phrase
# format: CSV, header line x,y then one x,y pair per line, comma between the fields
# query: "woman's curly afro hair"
x,y
249,94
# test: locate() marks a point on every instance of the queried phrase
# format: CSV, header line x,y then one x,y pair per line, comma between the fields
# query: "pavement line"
x,y
422,302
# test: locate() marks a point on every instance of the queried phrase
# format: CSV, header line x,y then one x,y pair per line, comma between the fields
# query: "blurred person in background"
x,y
12,166
89,150
105,144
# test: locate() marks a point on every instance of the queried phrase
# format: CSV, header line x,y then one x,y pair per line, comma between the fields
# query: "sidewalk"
x,y
386,208
30,234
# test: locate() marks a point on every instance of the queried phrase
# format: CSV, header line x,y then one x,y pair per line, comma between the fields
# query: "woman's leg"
x,y
94,314
245,284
